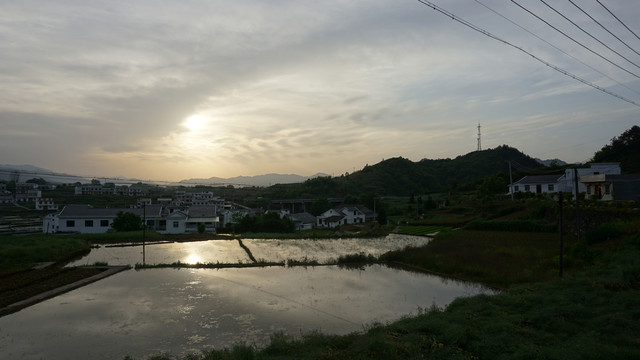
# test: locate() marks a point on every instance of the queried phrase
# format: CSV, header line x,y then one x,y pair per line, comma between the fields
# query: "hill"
x,y
400,176
624,149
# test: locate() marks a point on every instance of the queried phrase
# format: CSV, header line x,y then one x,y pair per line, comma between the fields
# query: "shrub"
x,y
602,233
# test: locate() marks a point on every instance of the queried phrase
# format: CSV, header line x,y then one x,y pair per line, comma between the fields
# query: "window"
x,y
88,223
71,223
104,223
526,188
607,189
550,187
516,188
588,189
176,224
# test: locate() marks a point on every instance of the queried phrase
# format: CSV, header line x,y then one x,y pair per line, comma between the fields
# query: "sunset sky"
x,y
170,90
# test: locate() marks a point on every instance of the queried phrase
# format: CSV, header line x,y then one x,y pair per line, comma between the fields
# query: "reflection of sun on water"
x,y
192,259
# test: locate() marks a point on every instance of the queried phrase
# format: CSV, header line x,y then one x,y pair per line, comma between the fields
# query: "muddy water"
x,y
139,313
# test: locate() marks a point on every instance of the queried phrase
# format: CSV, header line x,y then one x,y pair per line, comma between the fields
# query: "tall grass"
x,y
495,258
22,252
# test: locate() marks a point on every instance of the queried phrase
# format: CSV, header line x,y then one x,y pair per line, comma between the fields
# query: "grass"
x,y
491,257
23,252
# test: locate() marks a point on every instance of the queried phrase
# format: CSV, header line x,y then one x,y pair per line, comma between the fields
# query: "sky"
x,y
172,90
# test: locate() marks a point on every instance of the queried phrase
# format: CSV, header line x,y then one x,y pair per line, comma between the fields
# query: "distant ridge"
x,y
258,180
27,172
551,162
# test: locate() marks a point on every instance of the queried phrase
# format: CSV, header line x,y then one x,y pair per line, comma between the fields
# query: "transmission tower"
x,y
479,147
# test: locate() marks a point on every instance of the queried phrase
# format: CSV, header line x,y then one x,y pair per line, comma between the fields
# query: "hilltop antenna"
x,y
479,147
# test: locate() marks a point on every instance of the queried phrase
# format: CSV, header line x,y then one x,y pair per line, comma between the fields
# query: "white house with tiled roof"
x,y
544,184
89,220
341,215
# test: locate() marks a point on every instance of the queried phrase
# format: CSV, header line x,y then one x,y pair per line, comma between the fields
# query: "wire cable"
x,y
574,40
589,34
486,33
620,21
557,48
602,26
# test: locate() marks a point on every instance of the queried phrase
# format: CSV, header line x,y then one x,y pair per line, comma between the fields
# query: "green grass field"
x,y
492,257
22,252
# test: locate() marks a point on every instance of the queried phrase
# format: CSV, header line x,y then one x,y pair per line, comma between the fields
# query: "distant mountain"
x,y
258,180
551,162
27,172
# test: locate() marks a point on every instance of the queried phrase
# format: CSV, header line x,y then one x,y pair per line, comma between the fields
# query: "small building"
x,y
538,184
201,215
547,184
605,187
86,219
341,215
303,221
45,204
176,223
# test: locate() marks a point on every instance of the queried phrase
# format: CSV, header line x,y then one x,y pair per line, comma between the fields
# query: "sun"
x,y
195,122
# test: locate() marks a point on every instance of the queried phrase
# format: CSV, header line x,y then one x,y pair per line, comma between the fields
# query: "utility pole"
x,y
510,181
560,226
479,147
575,182
144,227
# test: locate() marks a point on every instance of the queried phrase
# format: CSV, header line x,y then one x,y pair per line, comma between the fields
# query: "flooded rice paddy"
x,y
229,251
179,311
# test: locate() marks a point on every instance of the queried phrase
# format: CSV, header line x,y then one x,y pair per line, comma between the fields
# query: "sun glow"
x,y
195,122
192,259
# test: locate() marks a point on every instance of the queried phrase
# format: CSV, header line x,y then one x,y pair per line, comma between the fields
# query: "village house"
x,y
303,221
341,215
86,219
548,184
605,187
89,220
45,204
538,184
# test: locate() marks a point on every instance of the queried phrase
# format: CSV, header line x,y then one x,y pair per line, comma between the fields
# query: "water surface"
x,y
229,251
145,312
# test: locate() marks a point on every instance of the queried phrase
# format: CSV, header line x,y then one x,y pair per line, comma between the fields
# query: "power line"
x,y
602,26
589,34
620,21
557,48
486,33
574,40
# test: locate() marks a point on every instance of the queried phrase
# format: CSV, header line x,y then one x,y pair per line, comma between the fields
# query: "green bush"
x,y
602,233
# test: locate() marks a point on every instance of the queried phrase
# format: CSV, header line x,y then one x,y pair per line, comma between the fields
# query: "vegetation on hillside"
x,y
624,149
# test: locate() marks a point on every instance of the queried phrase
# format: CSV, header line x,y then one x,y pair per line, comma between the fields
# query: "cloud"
x,y
317,87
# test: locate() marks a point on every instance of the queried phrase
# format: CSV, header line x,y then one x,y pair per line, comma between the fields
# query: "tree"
x,y
430,204
127,221
490,186
382,216
319,206
39,181
624,149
